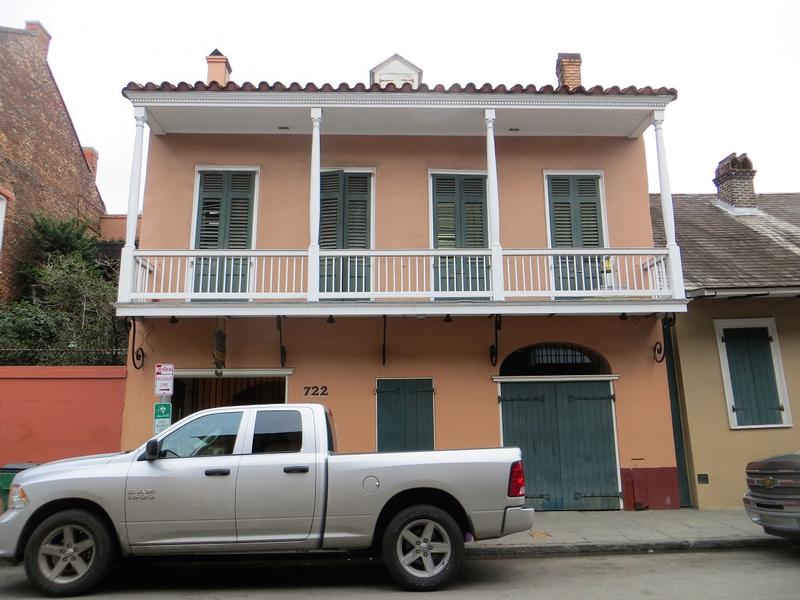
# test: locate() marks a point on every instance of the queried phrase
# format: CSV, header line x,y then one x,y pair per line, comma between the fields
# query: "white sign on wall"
x,y
165,378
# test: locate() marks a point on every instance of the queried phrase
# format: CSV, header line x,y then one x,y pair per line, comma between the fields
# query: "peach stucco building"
x,y
443,267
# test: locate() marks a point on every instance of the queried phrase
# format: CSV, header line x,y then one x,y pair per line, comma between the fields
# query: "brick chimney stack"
x,y
219,69
41,35
568,69
734,181
91,156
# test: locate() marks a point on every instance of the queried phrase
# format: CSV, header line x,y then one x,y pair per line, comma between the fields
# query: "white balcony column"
x,y
493,208
667,214
313,208
126,263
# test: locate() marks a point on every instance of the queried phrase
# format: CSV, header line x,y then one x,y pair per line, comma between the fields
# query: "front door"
x,y
405,415
186,496
276,492
566,433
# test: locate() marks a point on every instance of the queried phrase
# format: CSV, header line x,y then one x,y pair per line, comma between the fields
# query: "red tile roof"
x,y
469,88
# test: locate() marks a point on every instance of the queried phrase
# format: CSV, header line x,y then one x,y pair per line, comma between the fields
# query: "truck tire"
x,y
423,548
69,553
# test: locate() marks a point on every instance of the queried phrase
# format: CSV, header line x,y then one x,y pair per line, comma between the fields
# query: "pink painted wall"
x,y
401,166
48,413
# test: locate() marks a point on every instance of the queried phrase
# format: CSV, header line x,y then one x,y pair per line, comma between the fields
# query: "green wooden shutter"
x,y
587,191
240,211
331,199
561,223
209,217
472,204
752,373
405,415
356,233
445,212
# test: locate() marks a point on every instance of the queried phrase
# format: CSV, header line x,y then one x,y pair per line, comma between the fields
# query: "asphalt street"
x,y
772,573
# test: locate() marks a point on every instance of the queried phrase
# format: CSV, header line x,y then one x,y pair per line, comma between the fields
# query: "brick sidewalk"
x,y
629,531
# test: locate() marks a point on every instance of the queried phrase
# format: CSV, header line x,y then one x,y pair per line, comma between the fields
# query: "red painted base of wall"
x,y
47,413
650,488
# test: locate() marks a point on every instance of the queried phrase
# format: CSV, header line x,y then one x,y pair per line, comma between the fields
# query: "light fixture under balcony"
x,y
283,128
448,319
513,129
330,319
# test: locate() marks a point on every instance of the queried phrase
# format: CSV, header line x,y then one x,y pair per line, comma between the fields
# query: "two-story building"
x,y
444,267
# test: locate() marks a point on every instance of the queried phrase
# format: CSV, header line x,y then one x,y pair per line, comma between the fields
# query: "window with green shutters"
x,y
224,222
752,373
575,222
459,221
405,415
344,223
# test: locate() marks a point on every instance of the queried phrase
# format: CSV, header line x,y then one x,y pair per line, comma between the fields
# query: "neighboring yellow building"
x,y
738,346
444,267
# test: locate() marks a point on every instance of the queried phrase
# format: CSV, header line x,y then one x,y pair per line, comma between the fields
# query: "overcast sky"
x,y
735,64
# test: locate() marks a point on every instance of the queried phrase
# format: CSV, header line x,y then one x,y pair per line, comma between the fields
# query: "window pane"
x,y
211,435
277,431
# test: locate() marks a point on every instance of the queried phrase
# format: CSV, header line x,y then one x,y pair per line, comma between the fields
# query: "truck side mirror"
x,y
150,450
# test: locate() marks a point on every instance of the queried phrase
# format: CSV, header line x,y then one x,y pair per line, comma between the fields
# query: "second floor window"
x,y
224,221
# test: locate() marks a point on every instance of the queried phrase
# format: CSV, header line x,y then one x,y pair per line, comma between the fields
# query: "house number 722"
x,y
315,390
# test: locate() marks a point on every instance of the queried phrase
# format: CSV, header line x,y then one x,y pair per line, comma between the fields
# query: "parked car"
x,y
259,479
773,496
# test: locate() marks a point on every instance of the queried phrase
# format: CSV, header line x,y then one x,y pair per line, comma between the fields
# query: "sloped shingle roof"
x,y
722,250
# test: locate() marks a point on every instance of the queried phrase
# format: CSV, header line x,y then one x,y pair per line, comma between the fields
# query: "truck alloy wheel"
x,y
423,547
69,553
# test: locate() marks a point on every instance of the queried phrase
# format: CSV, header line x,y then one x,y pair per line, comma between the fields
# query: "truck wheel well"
x,y
408,498
56,506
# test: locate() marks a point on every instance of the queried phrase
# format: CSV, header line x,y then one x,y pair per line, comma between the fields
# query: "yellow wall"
x,y
346,357
713,447
401,198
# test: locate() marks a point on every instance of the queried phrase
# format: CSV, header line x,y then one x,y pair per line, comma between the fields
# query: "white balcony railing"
x,y
399,274
587,272
219,274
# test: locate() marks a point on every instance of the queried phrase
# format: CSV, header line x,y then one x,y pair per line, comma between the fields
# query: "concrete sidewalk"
x,y
629,531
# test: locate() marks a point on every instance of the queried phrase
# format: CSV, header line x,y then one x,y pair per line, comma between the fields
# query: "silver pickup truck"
x,y
259,479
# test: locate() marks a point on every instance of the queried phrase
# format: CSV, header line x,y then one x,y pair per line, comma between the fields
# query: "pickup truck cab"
x,y
259,479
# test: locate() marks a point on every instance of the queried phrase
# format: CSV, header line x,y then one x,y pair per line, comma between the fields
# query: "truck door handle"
x,y
217,472
295,469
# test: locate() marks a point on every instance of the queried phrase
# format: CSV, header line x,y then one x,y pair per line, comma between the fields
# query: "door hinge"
x,y
722,339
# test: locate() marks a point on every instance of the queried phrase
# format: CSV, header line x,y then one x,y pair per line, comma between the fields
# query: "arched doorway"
x,y
557,405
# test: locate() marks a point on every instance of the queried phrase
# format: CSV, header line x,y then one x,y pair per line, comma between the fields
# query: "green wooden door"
x,y
752,373
575,222
566,433
344,223
224,222
405,415
459,221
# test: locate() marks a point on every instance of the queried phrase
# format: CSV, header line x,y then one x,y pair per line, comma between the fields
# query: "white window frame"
x,y
373,172
3,204
780,382
591,173
198,169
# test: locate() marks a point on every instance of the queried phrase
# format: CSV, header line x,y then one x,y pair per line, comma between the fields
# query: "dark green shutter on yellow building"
x,y
752,372
224,222
405,415
344,223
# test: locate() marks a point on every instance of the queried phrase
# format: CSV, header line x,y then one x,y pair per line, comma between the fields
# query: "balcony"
x,y
399,281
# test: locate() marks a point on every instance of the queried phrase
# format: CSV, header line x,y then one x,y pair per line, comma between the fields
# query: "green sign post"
x,y
162,416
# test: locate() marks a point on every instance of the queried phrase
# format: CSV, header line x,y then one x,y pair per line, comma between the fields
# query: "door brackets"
x,y
281,347
579,496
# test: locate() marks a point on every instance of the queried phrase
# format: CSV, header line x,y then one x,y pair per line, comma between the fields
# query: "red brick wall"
x,y
48,413
41,161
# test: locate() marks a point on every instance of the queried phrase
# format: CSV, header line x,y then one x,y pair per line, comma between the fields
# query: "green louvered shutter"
x,y
344,223
224,221
459,213
405,415
752,373
575,222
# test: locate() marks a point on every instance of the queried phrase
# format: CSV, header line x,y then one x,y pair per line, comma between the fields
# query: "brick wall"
x,y
41,160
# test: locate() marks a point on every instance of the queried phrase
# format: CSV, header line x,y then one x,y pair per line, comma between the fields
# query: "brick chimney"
x,y
568,69
734,181
41,35
219,69
91,156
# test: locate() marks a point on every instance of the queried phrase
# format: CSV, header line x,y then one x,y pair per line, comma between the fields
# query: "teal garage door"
x,y
405,415
566,433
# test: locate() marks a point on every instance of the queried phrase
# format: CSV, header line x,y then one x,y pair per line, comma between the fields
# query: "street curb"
x,y
539,550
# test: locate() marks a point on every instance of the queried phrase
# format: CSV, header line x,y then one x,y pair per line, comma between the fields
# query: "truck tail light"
x,y
516,480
